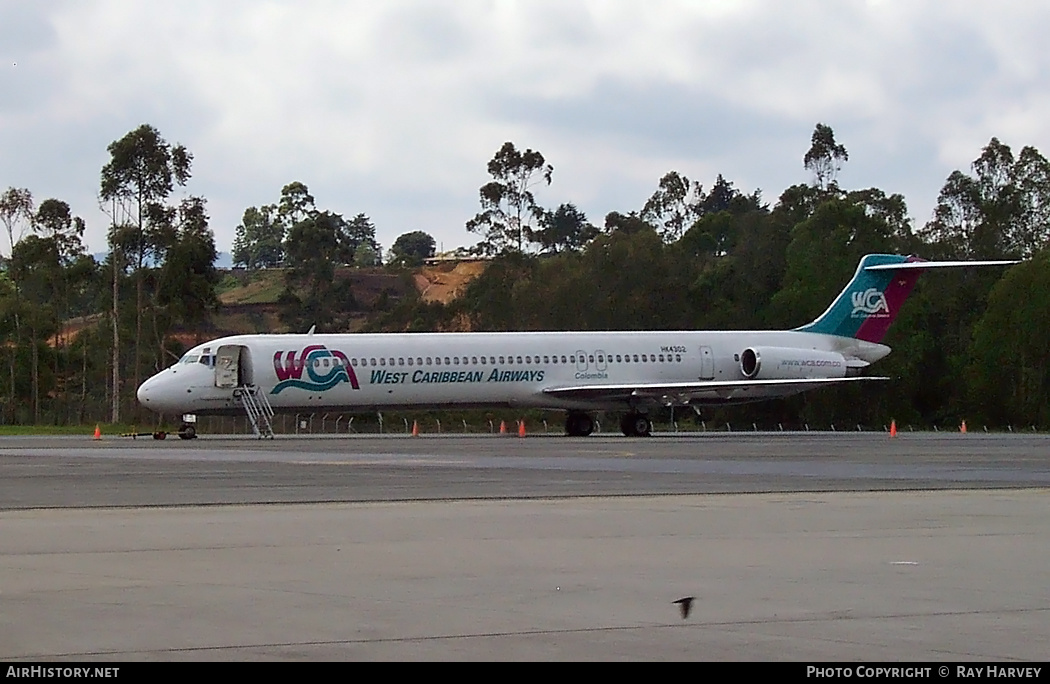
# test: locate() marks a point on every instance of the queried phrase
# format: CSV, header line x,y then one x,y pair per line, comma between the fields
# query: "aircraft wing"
x,y
683,391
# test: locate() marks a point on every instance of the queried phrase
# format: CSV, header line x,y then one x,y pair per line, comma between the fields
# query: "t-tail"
x,y
868,305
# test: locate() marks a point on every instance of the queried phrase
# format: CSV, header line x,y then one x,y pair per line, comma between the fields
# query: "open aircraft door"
x,y
228,366
233,366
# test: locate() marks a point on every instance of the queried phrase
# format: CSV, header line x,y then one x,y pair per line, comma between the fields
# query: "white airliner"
x,y
578,372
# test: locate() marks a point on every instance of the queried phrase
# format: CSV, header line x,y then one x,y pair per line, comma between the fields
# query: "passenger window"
x,y
546,359
474,360
492,360
382,362
563,359
419,361
661,357
429,361
636,358
401,361
437,361
447,362
501,360
519,359
410,361
528,359
678,358
590,358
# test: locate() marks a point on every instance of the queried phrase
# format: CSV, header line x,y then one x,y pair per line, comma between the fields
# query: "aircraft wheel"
x,y
636,425
578,424
643,427
187,432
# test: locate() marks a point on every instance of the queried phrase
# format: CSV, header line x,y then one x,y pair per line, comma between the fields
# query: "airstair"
x,y
258,409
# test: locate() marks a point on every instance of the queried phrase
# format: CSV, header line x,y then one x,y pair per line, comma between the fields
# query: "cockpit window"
x,y
207,360
190,358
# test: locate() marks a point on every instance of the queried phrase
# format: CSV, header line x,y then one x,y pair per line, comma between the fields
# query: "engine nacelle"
x,y
785,363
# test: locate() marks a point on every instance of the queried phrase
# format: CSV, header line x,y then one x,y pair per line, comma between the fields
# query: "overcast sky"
x,y
394,108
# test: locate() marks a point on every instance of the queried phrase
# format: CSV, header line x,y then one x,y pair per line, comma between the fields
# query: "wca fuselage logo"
x,y
871,302
325,368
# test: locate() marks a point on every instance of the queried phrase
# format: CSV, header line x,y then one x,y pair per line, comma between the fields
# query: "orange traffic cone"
x,y
521,428
893,428
415,428
503,427
98,432
962,428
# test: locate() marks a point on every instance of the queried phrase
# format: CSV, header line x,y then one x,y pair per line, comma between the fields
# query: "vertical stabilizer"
x,y
868,305
870,302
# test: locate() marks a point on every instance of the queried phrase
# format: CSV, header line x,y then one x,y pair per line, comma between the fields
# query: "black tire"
x,y
636,425
642,426
187,432
578,425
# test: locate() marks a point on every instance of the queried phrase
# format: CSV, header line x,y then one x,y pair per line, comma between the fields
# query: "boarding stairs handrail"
x,y
258,408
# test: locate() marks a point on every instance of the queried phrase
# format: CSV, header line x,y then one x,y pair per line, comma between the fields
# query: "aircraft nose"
x,y
143,393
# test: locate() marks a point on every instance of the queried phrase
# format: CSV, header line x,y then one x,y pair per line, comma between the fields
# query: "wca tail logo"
x,y
871,302
325,369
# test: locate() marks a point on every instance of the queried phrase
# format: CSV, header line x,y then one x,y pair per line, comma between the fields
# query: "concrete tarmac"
x,y
846,547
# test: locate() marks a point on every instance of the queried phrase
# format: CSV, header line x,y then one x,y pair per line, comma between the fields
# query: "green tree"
x,y
356,232
674,206
16,213
36,265
187,278
1002,210
507,203
564,229
259,239
825,157
1010,361
137,180
410,249
54,219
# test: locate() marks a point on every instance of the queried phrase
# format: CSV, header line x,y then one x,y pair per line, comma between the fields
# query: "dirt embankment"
x,y
444,282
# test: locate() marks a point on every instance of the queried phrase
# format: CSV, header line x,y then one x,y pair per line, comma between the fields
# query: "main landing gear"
x,y
578,424
636,425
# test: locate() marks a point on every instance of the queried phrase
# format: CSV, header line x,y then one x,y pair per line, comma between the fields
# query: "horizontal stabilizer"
x,y
921,265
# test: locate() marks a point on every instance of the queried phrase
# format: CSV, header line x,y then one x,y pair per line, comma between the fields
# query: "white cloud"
x,y
394,108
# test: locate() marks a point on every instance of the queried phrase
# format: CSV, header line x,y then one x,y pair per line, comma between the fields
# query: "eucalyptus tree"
x,y
1001,210
825,157
136,182
508,205
674,206
16,212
